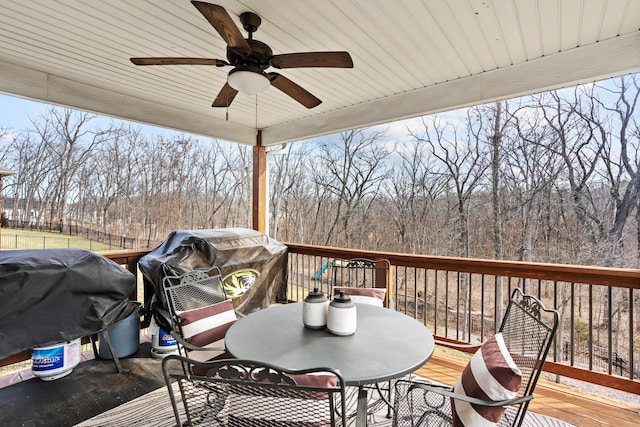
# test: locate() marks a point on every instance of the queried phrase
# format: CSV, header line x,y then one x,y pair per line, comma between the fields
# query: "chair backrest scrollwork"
x,y
244,392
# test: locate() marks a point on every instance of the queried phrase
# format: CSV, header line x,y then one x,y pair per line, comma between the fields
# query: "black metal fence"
x,y
112,240
16,241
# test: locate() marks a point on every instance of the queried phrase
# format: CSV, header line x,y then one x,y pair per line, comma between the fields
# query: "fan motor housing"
x,y
260,55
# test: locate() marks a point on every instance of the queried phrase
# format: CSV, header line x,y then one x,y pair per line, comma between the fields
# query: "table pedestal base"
x,y
361,414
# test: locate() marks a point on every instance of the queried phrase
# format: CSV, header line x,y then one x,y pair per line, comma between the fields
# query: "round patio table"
x,y
386,345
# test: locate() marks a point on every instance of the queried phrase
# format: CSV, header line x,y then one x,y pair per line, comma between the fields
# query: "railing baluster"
x,y
415,292
426,297
482,308
435,302
631,340
470,304
609,329
446,304
572,323
458,305
590,327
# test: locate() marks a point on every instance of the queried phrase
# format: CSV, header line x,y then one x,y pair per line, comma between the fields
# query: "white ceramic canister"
x,y
341,316
314,310
55,361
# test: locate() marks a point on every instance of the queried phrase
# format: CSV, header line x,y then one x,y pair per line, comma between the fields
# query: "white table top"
x,y
386,345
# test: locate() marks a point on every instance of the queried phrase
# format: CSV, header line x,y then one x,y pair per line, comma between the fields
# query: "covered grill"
x,y
49,296
253,265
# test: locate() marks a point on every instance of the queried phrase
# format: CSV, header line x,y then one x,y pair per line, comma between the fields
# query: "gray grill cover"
x,y
48,296
233,251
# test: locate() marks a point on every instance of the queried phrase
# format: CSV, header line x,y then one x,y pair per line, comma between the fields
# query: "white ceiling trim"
x,y
33,84
609,58
617,56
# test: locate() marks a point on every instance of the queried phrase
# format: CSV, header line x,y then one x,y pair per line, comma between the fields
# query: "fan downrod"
x,y
250,22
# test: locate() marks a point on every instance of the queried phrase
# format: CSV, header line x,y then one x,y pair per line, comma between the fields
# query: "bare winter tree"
x,y
355,166
304,199
529,171
496,159
619,132
105,179
286,179
5,138
32,182
69,141
324,204
577,144
212,185
238,158
411,190
463,155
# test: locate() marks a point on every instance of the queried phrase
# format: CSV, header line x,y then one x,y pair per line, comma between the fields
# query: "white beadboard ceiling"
x,y
411,57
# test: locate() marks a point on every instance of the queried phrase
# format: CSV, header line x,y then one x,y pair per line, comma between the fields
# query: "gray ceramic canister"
x,y
314,310
342,316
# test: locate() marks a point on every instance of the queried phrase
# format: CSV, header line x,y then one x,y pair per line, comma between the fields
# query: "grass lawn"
x,y
26,239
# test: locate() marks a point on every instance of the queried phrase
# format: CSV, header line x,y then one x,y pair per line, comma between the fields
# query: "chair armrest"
x,y
190,346
446,391
457,345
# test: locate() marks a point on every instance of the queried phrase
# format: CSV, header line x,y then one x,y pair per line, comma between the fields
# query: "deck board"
x,y
22,403
563,402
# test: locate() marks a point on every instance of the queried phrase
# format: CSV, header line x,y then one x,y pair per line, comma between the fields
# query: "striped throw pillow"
x,y
373,296
206,325
490,375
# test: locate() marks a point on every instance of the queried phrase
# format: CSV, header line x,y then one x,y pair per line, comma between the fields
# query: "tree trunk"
x,y
495,202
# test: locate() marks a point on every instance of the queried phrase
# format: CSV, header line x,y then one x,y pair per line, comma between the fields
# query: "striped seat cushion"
x,y
490,375
206,325
373,296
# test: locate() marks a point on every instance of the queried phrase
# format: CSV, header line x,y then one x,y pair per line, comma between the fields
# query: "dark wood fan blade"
x,y
224,25
295,91
179,61
225,96
313,59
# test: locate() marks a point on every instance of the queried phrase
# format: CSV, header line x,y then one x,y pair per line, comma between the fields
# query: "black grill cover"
x,y
253,265
48,296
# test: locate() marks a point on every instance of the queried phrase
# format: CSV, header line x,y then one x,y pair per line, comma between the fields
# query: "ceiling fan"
x,y
251,58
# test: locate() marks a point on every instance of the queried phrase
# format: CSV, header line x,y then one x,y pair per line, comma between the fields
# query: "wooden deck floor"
x,y
563,402
22,401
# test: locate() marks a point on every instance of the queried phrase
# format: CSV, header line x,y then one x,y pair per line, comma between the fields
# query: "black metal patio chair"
x,y
363,279
246,393
198,312
497,384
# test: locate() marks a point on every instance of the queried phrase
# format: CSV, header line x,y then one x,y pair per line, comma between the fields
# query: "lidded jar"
x,y
314,310
341,316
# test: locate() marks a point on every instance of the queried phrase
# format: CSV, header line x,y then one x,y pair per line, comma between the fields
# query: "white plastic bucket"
x,y
55,361
163,342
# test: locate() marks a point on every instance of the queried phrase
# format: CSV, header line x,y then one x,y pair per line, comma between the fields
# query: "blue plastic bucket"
x,y
125,337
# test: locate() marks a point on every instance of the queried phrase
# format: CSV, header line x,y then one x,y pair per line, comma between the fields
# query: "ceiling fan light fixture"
x,y
248,82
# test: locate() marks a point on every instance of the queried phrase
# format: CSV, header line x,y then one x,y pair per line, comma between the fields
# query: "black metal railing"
x,y
462,300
